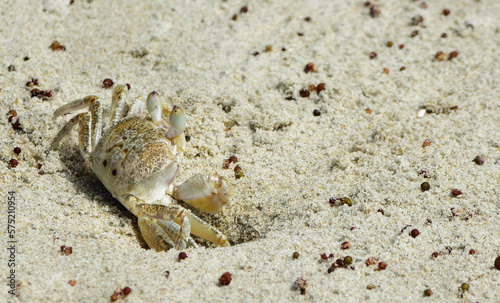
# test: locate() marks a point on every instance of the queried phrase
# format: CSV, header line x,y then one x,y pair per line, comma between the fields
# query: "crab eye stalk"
x,y
154,107
177,122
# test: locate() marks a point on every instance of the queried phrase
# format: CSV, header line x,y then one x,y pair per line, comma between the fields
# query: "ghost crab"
x,y
137,159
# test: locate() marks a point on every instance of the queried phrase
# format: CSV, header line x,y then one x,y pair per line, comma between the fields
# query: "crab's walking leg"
x,y
84,125
75,105
69,125
90,125
96,123
204,230
137,108
118,102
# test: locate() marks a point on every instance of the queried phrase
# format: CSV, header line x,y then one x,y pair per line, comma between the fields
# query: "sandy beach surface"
x,y
337,112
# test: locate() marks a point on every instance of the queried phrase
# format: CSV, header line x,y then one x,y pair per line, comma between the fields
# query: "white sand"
x,y
193,53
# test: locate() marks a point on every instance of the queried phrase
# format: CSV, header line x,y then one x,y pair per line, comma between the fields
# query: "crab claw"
x,y
177,122
208,193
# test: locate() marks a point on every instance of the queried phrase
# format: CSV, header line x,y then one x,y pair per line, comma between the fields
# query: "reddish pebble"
x,y
304,93
320,87
345,245
13,163
12,114
57,46
126,291
233,159
382,265
373,55
472,252
310,67
439,56
446,12
497,263
72,282
417,20
225,279
370,261
17,150
244,9
414,233
316,113
182,255
47,93
374,11
338,263
435,254
456,192
107,83
479,160
35,92
452,55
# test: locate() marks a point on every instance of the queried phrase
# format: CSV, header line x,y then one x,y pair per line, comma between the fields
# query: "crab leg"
x,y
96,123
204,230
90,126
137,108
118,103
75,105
69,125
